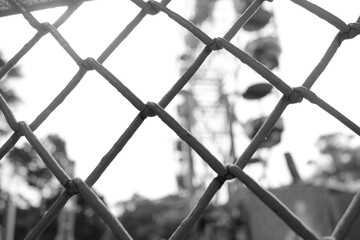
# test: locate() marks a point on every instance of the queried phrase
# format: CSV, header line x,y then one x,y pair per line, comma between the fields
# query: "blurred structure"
x,y
211,103
320,208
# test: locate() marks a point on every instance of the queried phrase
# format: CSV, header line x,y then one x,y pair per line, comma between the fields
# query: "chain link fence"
x,y
291,95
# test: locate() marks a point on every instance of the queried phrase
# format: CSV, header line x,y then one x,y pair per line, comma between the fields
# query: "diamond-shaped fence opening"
x,y
74,186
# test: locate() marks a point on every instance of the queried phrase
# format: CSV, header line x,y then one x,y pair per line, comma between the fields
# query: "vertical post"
x,y
191,171
66,223
186,113
10,219
66,219
292,167
232,188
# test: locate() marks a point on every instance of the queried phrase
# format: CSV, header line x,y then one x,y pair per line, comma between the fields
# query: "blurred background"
x,y
156,179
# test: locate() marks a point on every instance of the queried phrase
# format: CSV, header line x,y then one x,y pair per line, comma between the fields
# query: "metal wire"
x,y
151,109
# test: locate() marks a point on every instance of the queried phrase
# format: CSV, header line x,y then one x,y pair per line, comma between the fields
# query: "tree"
x,y
27,168
147,220
23,160
30,167
7,93
342,155
88,225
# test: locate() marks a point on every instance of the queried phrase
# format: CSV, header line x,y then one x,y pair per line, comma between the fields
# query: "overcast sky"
x,y
93,117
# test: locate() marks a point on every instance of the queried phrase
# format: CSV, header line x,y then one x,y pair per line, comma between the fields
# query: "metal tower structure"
x,y
209,104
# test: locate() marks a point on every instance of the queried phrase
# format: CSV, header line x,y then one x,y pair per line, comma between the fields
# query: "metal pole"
x,y
10,219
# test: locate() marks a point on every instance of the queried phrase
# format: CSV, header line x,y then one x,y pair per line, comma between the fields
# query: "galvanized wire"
x,y
290,96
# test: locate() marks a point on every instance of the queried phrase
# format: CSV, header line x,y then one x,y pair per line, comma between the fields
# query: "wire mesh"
x,y
74,186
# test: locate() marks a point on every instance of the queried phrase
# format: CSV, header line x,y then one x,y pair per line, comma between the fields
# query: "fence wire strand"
x,y
291,95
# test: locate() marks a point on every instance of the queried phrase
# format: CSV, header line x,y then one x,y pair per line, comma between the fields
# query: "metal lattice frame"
x,y
290,95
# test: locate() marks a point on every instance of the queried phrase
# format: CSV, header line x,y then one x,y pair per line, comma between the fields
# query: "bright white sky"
x,y
93,117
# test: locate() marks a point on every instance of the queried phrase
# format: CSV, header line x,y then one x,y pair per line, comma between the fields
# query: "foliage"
x,y
6,92
153,220
29,166
88,225
223,222
343,157
26,220
148,220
